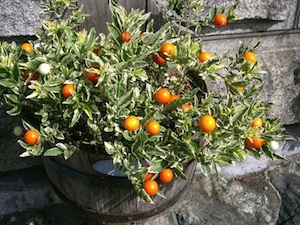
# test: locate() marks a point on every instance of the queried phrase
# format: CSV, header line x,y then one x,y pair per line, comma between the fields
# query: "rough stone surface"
x,y
19,17
24,190
286,179
212,200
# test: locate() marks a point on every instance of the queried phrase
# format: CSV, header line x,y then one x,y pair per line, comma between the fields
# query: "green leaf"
x,y
114,31
205,167
158,35
109,148
125,100
157,166
70,150
90,38
267,151
62,146
76,116
8,83
149,27
175,104
143,195
16,110
53,152
179,102
88,111
11,99
136,145
127,135
180,173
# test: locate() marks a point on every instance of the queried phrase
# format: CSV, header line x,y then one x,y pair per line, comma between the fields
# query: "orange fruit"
x,y
67,90
163,96
93,77
28,73
173,97
125,36
31,137
220,20
96,51
207,123
256,142
131,123
151,187
167,50
204,56
185,107
250,57
257,122
166,175
158,59
27,47
149,176
153,127
240,89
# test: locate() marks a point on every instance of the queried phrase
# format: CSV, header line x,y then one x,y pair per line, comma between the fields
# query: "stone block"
x,y
19,17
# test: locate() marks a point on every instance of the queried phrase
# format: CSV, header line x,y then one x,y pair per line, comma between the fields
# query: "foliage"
x,y
128,80
190,14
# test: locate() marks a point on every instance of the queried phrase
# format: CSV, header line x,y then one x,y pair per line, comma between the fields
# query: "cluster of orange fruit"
x,y
167,50
150,185
256,142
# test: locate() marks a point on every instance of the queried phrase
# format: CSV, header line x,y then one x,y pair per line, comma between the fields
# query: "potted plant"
x,y
136,94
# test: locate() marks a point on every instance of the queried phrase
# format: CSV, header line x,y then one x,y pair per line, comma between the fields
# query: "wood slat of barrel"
x,y
107,198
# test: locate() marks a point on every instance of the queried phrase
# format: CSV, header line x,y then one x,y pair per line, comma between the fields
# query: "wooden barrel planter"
x,y
104,196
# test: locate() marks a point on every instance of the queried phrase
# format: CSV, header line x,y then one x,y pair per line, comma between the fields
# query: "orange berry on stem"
x,y
92,76
220,20
185,107
255,142
173,97
166,175
207,123
204,56
27,47
125,36
31,137
131,123
257,122
163,96
250,57
67,90
167,49
158,59
151,187
153,127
